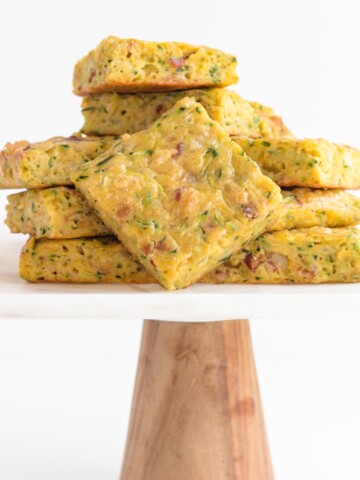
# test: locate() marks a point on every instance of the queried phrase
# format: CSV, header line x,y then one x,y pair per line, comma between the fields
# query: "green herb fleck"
x,y
266,144
144,224
202,215
217,219
105,160
147,198
214,73
139,153
213,151
312,162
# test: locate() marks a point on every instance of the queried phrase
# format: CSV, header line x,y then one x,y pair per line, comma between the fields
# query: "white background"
x,y
65,386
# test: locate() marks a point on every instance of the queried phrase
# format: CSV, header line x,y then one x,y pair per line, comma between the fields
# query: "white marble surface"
x,y
19,299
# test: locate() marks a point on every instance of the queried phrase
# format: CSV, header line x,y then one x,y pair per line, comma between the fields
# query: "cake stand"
x,y
196,412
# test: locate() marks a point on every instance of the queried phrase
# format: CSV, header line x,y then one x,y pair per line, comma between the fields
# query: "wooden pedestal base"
x,y
196,411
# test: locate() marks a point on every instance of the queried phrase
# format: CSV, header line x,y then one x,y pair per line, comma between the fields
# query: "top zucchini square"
x,y
180,195
118,65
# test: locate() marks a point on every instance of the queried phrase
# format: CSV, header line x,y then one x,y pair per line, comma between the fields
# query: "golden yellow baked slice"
x,y
48,163
129,65
309,255
62,212
314,255
116,114
58,212
306,207
305,163
180,195
81,260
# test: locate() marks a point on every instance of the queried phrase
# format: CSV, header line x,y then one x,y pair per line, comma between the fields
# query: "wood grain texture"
x,y
196,411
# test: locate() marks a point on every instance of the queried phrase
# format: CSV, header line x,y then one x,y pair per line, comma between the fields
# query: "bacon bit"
x,y
178,62
160,109
279,123
15,151
146,249
152,262
161,246
252,262
221,275
123,212
92,75
178,150
178,194
308,273
299,202
250,212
